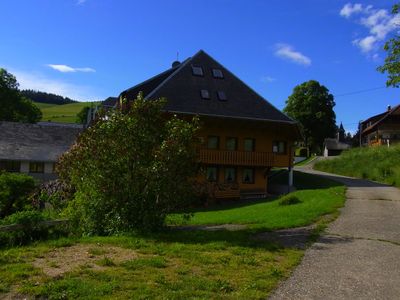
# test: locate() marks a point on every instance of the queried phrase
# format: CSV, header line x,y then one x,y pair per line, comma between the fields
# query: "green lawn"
x,y
65,113
174,264
318,196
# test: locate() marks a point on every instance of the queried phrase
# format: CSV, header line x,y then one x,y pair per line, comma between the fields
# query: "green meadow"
x,y
380,164
65,113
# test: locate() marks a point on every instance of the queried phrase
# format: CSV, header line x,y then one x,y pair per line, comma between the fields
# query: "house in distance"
x,y
381,129
35,148
243,135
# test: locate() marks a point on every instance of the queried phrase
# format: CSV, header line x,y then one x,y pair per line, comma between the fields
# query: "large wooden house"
x,y
243,135
381,129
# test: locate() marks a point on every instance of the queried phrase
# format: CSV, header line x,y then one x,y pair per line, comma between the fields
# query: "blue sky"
x,y
92,49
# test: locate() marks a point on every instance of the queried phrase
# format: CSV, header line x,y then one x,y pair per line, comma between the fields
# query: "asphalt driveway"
x,y
358,257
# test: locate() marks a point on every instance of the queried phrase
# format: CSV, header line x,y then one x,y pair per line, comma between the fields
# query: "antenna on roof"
x,y
177,62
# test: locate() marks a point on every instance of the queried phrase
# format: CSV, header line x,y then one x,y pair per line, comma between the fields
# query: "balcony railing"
x,y
237,158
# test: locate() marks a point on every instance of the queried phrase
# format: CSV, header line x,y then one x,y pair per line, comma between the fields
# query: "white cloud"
x,y
39,82
68,69
80,2
286,51
366,44
267,79
350,9
379,22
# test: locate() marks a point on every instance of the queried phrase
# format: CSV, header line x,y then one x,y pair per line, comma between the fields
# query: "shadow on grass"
x,y
228,204
302,181
344,180
218,239
305,181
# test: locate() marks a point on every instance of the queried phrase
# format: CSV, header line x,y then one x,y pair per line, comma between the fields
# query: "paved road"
x,y
359,255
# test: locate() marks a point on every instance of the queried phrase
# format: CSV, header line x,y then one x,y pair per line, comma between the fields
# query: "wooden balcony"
x,y
237,158
377,142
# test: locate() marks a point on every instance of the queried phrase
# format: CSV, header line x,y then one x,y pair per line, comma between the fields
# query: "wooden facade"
x,y
382,129
259,160
243,136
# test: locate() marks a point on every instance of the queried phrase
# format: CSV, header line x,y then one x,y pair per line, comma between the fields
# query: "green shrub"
x,y
289,200
301,152
55,192
14,192
32,228
130,169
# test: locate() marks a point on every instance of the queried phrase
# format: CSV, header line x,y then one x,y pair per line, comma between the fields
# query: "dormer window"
x,y
205,94
197,71
221,96
217,73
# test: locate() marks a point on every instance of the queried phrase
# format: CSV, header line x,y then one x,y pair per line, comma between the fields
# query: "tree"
x,y
341,133
13,106
82,115
392,60
43,97
130,169
311,105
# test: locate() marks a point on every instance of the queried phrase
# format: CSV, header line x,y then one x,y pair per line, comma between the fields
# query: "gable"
x,y
182,89
372,123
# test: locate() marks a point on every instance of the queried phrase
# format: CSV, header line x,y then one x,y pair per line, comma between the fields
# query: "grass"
x,y
380,164
306,161
65,113
43,105
169,265
178,264
317,196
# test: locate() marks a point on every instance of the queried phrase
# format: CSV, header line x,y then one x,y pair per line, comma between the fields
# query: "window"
x,y
279,147
221,96
205,94
231,143
202,140
249,144
197,71
217,73
213,142
10,165
248,175
36,167
230,174
212,174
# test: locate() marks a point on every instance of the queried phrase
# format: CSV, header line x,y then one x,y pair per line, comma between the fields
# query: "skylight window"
x,y
205,94
197,71
222,96
217,73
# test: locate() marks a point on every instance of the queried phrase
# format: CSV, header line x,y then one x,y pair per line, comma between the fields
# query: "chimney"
x,y
389,108
176,63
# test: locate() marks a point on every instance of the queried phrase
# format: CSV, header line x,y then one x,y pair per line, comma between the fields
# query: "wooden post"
x,y
290,178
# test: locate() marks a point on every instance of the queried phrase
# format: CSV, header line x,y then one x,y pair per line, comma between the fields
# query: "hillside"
x,y
65,113
42,97
380,164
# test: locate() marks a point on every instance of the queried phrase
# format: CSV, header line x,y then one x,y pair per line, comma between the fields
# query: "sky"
x,y
91,49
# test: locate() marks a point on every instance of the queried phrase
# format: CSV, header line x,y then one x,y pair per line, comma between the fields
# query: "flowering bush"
x,y
130,169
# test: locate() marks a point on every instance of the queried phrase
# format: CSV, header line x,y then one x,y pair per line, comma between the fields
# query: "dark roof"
x,y
34,142
334,144
182,91
109,102
371,123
